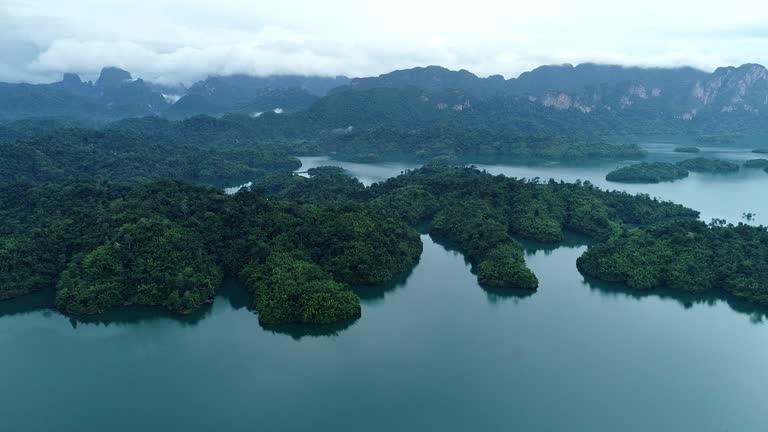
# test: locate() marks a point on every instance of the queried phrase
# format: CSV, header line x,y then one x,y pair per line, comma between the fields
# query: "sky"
x,y
181,41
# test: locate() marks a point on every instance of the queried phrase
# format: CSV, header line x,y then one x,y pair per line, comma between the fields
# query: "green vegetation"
x,y
289,288
713,166
425,144
126,156
719,139
688,256
297,242
687,150
103,245
479,232
647,172
151,262
756,163
368,126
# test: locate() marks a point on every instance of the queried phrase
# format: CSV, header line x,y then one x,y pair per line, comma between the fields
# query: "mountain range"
x,y
599,94
116,95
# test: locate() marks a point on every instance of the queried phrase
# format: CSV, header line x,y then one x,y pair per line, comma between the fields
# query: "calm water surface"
x,y
434,351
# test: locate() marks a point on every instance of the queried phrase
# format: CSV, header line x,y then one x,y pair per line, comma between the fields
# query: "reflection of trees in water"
x,y
33,302
758,314
571,240
496,295
298,331
231,292
375,293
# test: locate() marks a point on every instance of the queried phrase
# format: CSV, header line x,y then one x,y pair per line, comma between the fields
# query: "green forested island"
x,y
721,139
689,256
756,163
687,150
647,172
712,166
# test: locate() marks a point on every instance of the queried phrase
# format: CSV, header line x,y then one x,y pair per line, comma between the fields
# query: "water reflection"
x,y
758,314
571,240
231,293
140,315
34,302
299,331
43,301
496,295
374,294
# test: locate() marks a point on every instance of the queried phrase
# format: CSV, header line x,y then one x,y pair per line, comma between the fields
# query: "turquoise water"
x,y
434,351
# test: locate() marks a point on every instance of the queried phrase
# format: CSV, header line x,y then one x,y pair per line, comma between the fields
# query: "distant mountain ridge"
x,y
116,95
605,94
683,93
252,95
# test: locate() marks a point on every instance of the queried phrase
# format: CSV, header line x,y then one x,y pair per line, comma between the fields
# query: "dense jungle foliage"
x,y
685,255
465,143
130,156
297,242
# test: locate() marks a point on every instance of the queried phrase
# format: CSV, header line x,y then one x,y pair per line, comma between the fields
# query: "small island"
x,y
648,172
760,151
722,139
364,158
712,166
756,163
687,150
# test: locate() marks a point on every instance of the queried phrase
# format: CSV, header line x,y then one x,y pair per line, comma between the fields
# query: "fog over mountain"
x,y
184,42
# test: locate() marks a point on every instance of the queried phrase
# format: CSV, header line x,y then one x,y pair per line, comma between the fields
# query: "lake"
x,y
433,351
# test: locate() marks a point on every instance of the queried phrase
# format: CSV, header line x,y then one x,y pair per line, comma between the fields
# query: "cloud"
x,y
180,41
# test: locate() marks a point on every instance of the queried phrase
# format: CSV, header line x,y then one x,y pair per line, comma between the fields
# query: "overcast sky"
x,y
184,40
